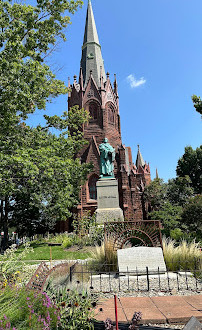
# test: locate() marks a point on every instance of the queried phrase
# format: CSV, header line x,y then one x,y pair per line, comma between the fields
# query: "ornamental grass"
x,y
105,257
184,256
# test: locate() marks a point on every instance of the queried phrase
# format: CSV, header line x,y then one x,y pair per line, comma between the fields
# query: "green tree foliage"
x,y
191,164
192,215
179,190
197,103
28,34
167,200
155,193
41,178
169,215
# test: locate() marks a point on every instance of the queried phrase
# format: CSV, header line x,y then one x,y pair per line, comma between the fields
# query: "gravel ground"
x,y
184,284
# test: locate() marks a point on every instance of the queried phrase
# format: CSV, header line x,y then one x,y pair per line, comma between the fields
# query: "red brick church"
x,y
95,92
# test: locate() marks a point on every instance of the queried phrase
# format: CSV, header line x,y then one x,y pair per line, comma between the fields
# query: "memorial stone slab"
x,y
136,259
193,324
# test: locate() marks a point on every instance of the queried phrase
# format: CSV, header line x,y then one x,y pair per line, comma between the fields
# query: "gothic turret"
x,y
139,161
91,50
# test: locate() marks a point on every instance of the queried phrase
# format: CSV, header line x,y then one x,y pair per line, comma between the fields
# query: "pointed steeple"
x,y
115,85
91,51
157,175
81,79
139,161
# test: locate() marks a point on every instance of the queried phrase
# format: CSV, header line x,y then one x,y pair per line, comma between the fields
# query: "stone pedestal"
x,y
108,201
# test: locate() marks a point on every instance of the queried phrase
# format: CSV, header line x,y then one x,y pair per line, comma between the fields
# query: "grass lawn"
x,y
42,252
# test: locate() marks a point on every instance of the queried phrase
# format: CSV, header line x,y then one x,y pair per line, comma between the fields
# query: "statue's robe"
x,y
107,157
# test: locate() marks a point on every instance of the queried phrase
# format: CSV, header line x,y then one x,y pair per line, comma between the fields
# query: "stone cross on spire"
x,y
91,50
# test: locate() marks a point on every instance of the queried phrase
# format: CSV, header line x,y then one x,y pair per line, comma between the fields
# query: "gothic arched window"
x,y
93,110
111,114
92,186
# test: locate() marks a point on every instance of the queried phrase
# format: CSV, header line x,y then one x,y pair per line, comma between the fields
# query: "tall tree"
x,y
28,34
192,215
41,178
191,164
155,193
179,190
197,103
169,215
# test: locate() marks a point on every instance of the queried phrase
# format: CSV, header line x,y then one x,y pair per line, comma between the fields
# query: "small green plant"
x,y
82,224
76,308
185,256
86,231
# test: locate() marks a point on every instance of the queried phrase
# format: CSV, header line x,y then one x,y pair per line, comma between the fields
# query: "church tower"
x,y
95,92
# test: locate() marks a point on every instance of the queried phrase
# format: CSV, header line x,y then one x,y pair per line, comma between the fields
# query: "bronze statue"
x,y
107,157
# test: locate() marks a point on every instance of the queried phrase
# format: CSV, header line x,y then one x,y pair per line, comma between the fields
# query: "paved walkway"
x,y
155,310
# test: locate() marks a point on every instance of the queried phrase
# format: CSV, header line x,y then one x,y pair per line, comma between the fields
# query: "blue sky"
x,y
155,47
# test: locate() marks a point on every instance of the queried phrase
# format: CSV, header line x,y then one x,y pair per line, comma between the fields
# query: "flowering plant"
x,y
76,308
137,316
26,309
11,265
109,324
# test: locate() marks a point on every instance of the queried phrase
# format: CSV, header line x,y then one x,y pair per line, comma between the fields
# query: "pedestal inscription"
x,y
108,201
136,259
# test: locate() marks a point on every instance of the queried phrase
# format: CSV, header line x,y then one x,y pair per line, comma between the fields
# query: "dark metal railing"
x,y
149,280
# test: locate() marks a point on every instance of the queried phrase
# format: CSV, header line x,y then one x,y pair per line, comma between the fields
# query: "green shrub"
x,y
185,256
67,242
176,234
58,238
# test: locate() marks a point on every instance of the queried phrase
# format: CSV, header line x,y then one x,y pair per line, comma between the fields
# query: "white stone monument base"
x,y
107,215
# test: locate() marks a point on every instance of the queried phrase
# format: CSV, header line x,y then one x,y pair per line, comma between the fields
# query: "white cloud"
x,y
135,82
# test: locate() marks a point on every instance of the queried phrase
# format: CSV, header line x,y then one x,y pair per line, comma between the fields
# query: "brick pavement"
x,y
155,310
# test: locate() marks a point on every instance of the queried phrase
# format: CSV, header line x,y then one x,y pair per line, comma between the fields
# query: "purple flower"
x,y
5,317
28,298
48,317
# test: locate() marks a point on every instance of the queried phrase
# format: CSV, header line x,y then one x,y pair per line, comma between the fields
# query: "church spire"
x,y
139,161
91,51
